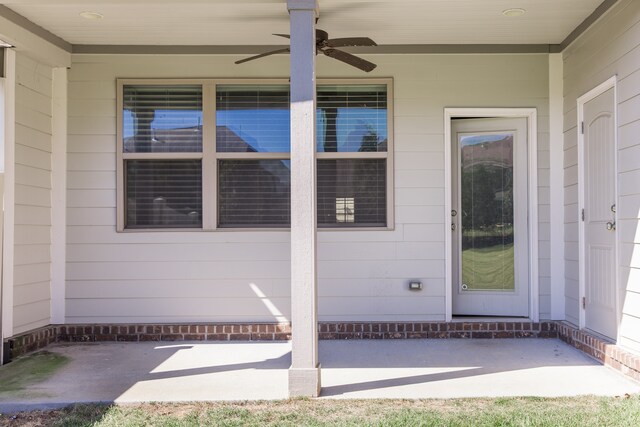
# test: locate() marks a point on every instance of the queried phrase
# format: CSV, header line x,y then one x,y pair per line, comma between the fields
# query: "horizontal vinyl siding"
x,y
32,245
220,276
611,47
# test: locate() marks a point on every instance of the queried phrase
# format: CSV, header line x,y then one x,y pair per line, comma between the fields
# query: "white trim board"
x,y
611,83
2,126
532,133
9,104
59,195
556,184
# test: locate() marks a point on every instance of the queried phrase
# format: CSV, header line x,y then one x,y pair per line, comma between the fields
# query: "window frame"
x,y
209,156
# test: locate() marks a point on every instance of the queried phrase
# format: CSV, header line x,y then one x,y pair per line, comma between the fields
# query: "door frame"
x,y
611,83
531,115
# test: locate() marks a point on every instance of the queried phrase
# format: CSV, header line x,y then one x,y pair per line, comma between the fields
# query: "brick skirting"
x,y
596,347
601,349
42,337
416,330
201,332
32,341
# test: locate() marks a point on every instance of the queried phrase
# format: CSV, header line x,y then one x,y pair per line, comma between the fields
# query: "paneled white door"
x,y
490,244
599,214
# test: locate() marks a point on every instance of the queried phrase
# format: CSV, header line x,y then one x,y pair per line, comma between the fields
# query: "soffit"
x,y
251,22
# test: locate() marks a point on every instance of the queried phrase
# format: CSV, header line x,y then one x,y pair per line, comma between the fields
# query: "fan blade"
x,y
286,36
262,55
351,41
350,59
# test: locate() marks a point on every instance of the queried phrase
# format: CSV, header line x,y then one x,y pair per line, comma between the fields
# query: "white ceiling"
x,y
251,22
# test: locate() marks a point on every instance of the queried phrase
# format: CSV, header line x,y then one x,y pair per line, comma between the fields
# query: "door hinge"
x,y
582,128
582,214
584,302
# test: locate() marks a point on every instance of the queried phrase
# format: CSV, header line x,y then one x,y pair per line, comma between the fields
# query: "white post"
x,y
304,374
2,81
58,195
556,182
8,149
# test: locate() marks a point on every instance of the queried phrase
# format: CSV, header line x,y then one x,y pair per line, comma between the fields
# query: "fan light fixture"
x,y
512,13
93,16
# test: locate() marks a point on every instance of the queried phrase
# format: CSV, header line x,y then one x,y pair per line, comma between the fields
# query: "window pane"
x,y
352,118
162,118
163,193
486,193
252,118
352,193
254,193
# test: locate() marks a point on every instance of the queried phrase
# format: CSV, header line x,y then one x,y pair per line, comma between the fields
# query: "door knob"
x,y
611,225
453,227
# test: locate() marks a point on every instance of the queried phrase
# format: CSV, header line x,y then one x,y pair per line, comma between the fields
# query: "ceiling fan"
x,y
328,47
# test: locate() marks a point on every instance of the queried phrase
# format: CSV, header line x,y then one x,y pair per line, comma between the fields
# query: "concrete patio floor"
x,y
202,371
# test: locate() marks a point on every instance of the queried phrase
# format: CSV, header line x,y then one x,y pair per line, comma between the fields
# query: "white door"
x,y
599,214
489,217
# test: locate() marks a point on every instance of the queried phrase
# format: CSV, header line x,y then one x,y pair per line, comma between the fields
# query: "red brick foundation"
x,y
202,332
42,337
606,352
416,330
598,348
32,341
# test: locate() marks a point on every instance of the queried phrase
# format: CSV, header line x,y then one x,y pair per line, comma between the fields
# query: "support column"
x,y
58,195
556,182
7,155
304,374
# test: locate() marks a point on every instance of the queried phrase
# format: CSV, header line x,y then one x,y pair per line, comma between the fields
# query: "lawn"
x,y
581,411
24,371
489,268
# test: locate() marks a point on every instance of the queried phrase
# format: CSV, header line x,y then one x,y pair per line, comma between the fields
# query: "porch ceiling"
x,y
250,22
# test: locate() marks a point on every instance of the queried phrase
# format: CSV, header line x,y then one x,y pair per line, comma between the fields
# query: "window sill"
x,y
249,230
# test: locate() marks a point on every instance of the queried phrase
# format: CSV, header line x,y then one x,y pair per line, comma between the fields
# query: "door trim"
x,y
532,152
611,83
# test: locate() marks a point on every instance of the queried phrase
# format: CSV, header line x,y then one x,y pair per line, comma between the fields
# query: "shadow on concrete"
x,y
449,359
201,371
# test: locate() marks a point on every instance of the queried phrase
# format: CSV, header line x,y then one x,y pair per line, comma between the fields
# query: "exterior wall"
x,y
32,260
611,47
245,276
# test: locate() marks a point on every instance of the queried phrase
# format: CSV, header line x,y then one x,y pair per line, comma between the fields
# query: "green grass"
x,y
25,371
489,268
563,412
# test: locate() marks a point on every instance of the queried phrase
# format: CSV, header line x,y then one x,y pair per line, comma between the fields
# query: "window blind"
x,y
163,193
352,193
252,118
351,118
162,118
254,193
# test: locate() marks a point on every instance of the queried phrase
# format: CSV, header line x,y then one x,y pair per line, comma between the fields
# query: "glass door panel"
x,y
487,212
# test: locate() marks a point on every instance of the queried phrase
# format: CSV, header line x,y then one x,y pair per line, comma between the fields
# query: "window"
x,y
352,139
162,156
252,148
213,154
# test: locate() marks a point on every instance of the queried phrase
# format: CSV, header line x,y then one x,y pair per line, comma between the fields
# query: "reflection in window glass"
x,y
486,169
254,193
352,192
252,118
162,118
163,193
345,207
352,118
